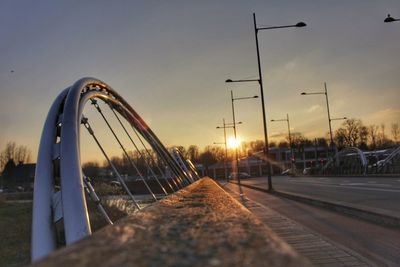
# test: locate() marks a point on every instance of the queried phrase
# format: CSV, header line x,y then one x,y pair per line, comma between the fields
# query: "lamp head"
x,y
301,24
228,81
256,96
303,93
389,19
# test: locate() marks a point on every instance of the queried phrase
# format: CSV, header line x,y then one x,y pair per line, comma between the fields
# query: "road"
x,y
379,194
378,244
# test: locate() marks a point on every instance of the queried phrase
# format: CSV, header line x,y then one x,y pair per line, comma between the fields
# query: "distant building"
x,y
281,159
18,175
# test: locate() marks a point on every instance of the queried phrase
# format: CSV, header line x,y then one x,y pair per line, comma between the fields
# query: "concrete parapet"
x,y
200,225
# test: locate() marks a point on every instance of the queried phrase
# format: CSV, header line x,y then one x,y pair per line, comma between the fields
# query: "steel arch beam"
x,y
43,232
60,140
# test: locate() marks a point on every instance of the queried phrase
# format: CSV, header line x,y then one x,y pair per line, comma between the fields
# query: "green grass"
x,y
15,229
15,233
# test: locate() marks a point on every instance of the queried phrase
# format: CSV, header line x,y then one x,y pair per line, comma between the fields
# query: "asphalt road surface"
x,y
378,244
379,194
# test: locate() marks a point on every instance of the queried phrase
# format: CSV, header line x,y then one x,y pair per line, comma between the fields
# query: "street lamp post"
x,y
234,130
329,115
390,19
226,125
290,138
260,81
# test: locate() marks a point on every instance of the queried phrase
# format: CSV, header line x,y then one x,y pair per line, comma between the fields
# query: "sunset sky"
x,y
169,60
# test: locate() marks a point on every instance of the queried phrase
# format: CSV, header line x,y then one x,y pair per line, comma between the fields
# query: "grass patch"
x,y
2,199
15,233
18,196
16,223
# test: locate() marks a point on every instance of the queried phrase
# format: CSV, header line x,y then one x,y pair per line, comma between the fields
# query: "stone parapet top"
x,y
200,225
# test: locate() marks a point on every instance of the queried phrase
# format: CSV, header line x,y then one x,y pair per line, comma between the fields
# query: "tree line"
x,y
351,133
15,153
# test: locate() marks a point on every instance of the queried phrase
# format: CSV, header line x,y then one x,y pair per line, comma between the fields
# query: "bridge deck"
x,y
200,225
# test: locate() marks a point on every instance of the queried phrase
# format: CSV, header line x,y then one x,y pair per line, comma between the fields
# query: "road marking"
x,y
353,184
368,184
346,184
361,188
350,185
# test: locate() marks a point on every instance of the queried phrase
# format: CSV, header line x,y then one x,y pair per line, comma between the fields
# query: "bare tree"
x,y
363,137
210,156
192,153
91,169
340,138
18,154
349,134
181,149
383,141
382,135
2,161
373,135
9,151
22,154
283,144
298,139
395,132
257,145
322,142
272,144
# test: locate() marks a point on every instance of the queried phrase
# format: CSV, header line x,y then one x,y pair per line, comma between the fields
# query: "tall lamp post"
x,y
390,19
225,125
233,99
290,138
260,81
329,115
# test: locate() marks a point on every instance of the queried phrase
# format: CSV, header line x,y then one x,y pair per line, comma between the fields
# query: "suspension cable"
x,y
95,198
85,122
179,186
94,103
140,153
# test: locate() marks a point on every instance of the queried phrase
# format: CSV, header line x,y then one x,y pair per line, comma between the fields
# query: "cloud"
x,y
283,134
313,108
386,116
290,65
278,135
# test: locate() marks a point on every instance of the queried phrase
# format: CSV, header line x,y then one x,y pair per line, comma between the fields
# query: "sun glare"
x,y
233,143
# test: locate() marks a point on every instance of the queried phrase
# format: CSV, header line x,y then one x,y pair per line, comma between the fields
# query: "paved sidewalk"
x,y
318,250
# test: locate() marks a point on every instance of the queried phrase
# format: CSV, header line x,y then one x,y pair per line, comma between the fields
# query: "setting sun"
x,y
234,143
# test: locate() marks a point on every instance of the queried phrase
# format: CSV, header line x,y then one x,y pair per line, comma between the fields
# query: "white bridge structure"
x,y
61,187
352,160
